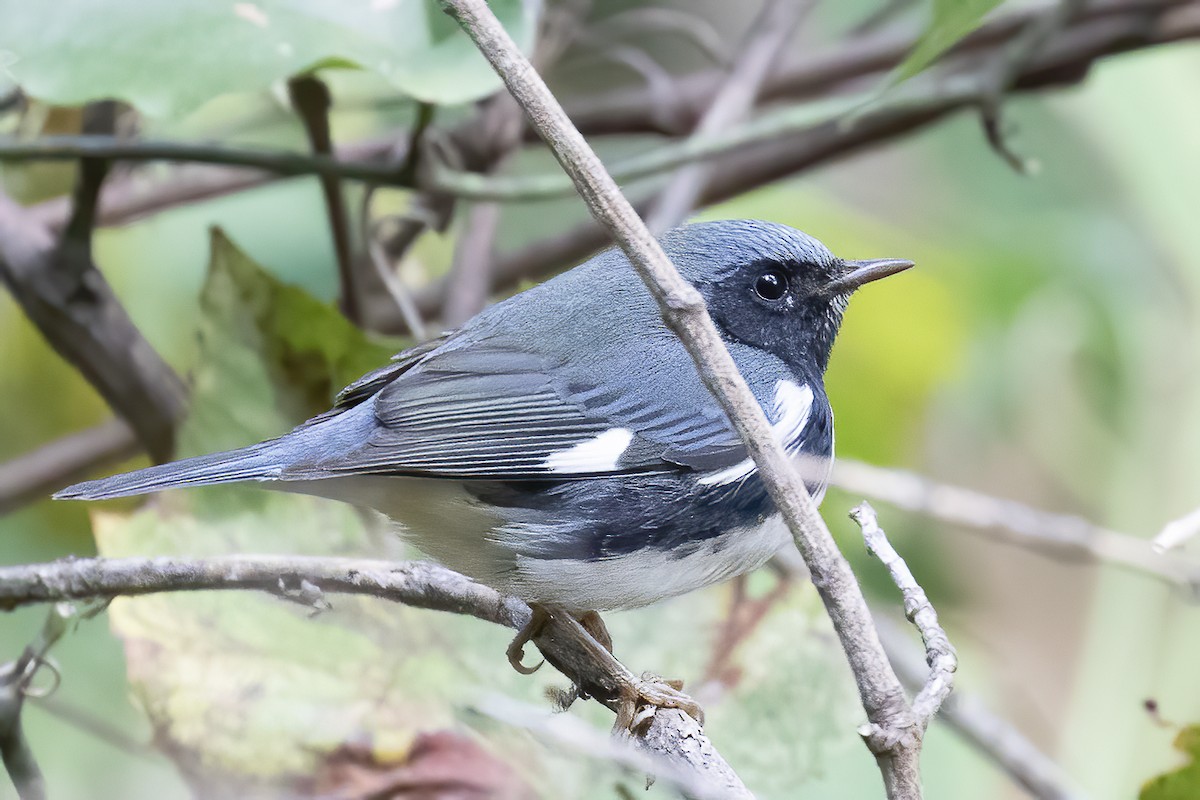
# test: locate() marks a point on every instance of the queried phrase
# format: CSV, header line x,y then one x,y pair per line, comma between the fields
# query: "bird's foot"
x,y
642,697
529,631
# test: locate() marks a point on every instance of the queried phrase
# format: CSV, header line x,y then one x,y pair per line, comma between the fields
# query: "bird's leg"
x,y
529,631
638,696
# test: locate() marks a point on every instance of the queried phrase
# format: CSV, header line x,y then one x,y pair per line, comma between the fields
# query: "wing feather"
x,y
491,412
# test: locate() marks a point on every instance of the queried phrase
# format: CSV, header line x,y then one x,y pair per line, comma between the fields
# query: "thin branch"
x,y
69,148
469,284
305,579
916,103
36,474
310,97
414,323
992,736
1015,523
939,653
16,686
684,311
768,35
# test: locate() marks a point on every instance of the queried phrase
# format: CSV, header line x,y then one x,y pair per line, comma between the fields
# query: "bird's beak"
x,y
856,273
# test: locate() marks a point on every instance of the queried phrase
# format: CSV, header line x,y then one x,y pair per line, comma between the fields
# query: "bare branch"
x,y
768,35
66,297
310,97
69,148
684,311
135,195
1015,523
939,653
35,475
305,579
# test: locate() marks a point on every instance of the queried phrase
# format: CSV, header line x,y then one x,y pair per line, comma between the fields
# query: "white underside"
x,y
649,575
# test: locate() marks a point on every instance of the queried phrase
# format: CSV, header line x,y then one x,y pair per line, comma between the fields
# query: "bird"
x,y
560,445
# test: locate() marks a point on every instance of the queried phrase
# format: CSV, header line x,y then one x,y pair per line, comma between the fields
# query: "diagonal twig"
x,y
67,298
939,653
36,474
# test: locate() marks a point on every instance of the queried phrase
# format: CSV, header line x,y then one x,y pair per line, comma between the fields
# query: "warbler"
x,y
560,446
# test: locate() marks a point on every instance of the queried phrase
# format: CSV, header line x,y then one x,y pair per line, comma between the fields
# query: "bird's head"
x,y
772,287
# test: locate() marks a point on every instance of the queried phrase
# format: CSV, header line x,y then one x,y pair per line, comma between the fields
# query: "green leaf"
x,y
950,22
1183,783
270,357
168,58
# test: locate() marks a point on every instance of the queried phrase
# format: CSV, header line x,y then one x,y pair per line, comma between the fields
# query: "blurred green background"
x,y
1044,350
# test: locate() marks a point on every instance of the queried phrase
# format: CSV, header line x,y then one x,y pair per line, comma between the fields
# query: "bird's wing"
x,y
491,411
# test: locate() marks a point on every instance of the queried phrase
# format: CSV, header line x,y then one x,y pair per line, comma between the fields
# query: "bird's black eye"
x,y
771,285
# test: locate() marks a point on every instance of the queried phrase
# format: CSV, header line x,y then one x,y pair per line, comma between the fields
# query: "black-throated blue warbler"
x,y
560,446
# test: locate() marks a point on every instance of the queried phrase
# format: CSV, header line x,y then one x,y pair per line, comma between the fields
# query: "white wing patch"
x,y
599,454
791,410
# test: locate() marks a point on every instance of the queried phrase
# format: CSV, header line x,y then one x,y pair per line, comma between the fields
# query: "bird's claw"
x,y
529,631
642,697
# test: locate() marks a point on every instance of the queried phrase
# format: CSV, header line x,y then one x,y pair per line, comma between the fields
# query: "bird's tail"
x,y
258,462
